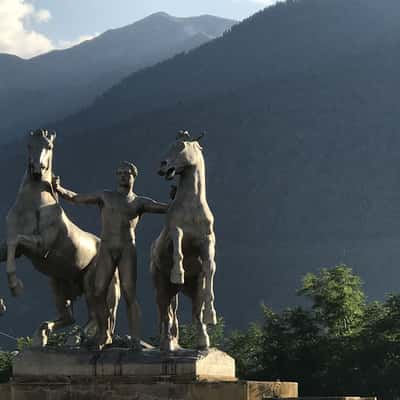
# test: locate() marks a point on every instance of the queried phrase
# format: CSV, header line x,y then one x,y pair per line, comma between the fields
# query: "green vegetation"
x,y
339,344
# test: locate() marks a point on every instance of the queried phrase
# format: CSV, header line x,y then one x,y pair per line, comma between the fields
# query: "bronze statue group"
x,y
79,263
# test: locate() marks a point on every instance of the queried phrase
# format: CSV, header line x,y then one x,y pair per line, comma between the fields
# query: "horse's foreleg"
x,y
209,266
177,272
14,283
196,294
33,242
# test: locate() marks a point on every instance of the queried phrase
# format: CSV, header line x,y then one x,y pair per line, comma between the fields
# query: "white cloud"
x,y
15,37
64,44
42,15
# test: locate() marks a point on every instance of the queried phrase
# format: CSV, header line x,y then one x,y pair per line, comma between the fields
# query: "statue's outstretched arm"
x,y
151,206
77,198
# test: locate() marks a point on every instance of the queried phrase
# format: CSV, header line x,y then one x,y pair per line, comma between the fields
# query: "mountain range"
x,y
56,84
299,104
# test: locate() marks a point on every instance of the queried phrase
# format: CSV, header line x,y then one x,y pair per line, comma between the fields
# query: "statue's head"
x,y
185,152
40,149
126,174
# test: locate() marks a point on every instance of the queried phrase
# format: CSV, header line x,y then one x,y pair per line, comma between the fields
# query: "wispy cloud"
x,y
43,15
15,37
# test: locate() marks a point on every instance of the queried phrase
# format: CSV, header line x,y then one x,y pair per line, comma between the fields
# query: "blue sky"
x,y
31,27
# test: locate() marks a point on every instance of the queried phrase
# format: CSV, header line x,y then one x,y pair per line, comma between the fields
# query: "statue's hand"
x,y
56,183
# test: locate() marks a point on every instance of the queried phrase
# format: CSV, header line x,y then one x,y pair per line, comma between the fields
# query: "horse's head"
x,y
185,152
40,151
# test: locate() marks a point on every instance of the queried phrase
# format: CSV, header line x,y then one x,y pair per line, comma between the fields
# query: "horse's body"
x,y
38,228
182,257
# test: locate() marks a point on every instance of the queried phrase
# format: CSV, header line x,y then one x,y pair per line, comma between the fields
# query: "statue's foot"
x,y
177,276
210,316
17,287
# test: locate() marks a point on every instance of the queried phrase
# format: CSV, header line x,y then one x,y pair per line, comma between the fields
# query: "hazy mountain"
x,y
56,84
300,103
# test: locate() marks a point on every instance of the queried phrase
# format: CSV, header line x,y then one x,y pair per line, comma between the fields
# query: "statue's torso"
x,y
118,225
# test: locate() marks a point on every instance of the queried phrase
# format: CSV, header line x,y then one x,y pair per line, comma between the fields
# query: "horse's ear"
x,y
53,136
199,137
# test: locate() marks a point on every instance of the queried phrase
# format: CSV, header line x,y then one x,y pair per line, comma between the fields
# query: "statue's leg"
x,y
113,297
105,270
195,292
65,314
208,259
127,269
177,272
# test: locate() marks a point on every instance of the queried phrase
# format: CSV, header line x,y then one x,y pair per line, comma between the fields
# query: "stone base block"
x,y
58,365
95,389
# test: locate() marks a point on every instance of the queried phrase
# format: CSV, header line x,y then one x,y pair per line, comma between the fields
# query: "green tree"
x,y
337,299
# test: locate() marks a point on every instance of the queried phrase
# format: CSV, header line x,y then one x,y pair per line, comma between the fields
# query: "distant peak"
x,y
159,14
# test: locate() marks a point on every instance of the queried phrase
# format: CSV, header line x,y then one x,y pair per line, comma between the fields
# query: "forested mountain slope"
x,y
300,105
54,85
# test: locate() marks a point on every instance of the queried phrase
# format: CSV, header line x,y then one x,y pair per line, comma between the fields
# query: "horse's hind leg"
x,y
164,296
208,260
196,293
65,317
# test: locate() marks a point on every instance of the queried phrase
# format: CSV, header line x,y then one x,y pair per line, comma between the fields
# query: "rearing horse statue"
x,y
182,257
38,228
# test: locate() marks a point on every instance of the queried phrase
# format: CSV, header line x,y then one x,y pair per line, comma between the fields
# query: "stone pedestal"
x,y
120,374
148,365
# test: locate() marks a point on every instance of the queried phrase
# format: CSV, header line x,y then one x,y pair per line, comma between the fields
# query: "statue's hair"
x,y
132,167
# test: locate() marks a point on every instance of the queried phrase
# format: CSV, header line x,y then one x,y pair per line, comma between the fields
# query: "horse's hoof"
x,y
177,278
169,345
210,316
17,289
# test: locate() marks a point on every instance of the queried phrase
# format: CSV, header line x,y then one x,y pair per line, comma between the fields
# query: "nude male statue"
x,y
120,213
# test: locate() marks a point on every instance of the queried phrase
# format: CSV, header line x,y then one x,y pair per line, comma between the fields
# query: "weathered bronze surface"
x,y
182,257
120,213
38,228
